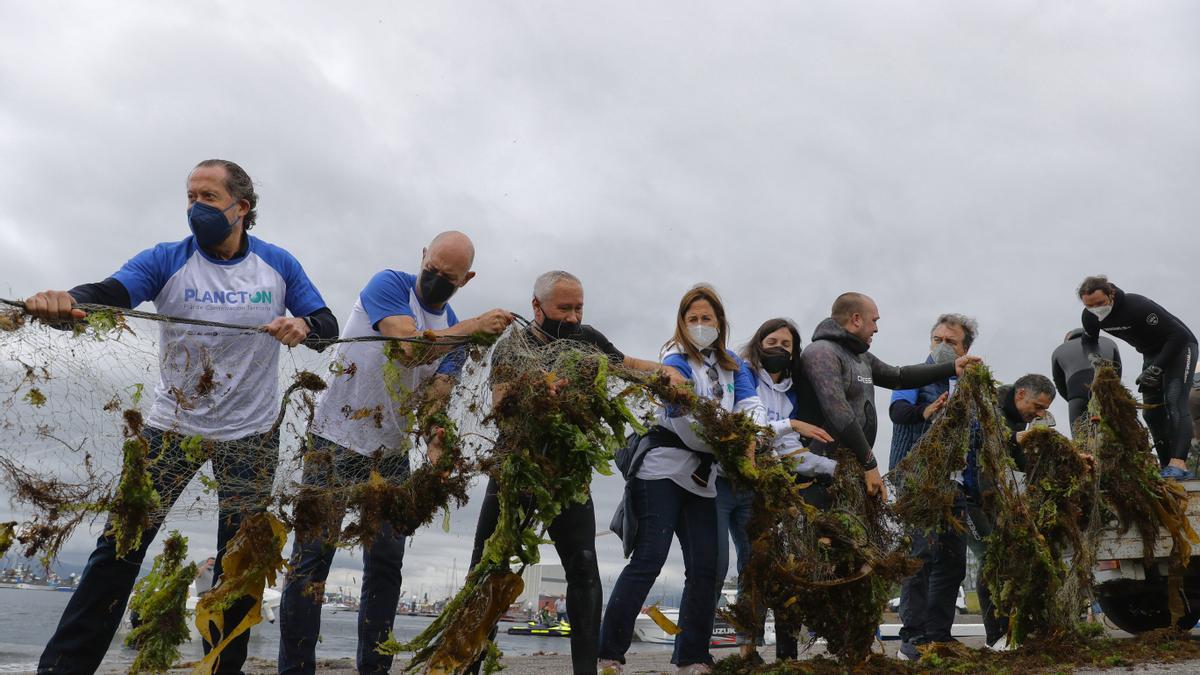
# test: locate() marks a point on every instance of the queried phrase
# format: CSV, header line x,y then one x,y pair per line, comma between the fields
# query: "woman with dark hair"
x,y
674,490
772,357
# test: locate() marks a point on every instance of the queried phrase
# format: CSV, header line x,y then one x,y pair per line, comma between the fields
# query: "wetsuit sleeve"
x,y
324,327
1060,378
823,369
909,377
1091,325
1176,335
108,292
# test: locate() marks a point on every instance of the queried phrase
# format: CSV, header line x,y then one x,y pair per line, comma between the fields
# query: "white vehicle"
x,y
1134,596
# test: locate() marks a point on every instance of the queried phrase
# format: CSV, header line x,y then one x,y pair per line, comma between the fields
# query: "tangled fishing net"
x,y
1041,553
78,448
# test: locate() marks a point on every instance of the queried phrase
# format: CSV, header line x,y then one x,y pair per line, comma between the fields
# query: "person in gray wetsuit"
x,y
1072,363
840,374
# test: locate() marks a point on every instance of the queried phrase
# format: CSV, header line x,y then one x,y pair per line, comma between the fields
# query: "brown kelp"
x,y
559,419
1130,481
252,561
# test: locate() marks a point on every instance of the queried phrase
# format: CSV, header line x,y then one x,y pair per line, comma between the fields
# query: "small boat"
x,y
542,629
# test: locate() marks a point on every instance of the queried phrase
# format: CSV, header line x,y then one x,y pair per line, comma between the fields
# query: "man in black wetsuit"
x,y
558,315
1169,351
1074,370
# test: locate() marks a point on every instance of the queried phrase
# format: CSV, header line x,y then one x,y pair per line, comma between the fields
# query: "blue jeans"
x,y
928,598
299,611
734,505
665,510
244,470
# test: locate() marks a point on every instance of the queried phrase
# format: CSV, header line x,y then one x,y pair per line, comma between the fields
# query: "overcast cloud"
x,y
938,156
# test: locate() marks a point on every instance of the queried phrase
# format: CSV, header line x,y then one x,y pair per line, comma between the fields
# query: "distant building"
x,y
542,580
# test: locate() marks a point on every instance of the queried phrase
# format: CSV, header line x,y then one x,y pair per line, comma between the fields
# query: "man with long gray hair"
x,y
928,598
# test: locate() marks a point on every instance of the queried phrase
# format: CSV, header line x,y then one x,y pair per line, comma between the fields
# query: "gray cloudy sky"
x,y
939,156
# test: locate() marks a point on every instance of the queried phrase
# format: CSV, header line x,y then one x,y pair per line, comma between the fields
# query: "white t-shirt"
x,y
215,382
360,410
779,399
737,394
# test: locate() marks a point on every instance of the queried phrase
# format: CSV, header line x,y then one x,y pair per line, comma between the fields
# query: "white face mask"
x,y
1101,312
702,336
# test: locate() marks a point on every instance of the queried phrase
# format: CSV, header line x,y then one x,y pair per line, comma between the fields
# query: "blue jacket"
x,y
908,425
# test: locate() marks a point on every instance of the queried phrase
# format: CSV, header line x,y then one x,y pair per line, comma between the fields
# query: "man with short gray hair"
x,y
558,315
928,598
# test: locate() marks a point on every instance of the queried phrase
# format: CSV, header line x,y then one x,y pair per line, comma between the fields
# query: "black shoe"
x,y
908,651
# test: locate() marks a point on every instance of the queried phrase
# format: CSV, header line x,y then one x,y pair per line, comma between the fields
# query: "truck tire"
x,y
1138,607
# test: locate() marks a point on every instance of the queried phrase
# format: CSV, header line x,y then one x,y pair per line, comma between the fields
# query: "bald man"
x,y
360,425
838,391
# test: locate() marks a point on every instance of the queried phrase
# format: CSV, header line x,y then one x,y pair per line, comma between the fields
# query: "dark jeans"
x,y
733,513
1171,423
244,470
995,625
665,510
574,535
299,611
928,598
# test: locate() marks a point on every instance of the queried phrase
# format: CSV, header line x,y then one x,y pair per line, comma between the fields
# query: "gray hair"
x,y
1035,384
969,326
547,281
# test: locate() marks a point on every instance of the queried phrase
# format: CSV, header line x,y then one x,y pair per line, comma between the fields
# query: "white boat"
x,y
270,607
724,635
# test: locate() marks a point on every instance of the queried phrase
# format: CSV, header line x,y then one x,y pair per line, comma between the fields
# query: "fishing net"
x,y
84,440
1042,551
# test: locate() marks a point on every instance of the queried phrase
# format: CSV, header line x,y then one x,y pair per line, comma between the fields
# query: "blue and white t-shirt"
x,y
736,392
361,410
216,382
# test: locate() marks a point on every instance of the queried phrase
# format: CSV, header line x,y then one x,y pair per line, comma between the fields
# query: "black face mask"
x,y
776,360
559,329
435,289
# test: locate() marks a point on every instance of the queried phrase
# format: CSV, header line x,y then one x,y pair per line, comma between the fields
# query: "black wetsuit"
x,y
1165,342
574,535
1073,369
